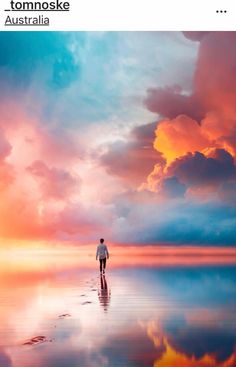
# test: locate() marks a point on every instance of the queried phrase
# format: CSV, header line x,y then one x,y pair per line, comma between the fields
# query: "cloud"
x,y
195,35
197,134
172,187
131,356
217,88
198,170
5,146
5,361
31,218
197,340
133,159
175,221
67,353
227,192
192,346
7,176
55,183
33,176
177,137
207,114
171,102
6,170
80,222
211,91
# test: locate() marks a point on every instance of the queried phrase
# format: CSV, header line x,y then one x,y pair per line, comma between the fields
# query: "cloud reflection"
x,y
164,317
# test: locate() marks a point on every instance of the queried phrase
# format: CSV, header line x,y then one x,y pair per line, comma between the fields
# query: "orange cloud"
x,y
177,137
173,358
204,120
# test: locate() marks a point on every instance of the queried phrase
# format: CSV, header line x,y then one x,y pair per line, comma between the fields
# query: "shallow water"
x,y
163,316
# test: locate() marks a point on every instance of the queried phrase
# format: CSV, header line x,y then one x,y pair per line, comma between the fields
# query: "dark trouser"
x,y
102,262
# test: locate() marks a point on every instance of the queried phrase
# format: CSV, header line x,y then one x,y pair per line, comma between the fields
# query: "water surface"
x,y
134,316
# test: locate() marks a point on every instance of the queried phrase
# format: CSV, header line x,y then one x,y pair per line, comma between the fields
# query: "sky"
x,y
130,136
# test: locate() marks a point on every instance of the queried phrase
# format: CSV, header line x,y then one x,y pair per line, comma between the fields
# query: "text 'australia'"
x,y
39,20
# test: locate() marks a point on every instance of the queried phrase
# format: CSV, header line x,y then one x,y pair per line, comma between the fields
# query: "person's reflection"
x,y
104,293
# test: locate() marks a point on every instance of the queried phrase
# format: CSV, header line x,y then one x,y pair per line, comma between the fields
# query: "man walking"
x,y
102,254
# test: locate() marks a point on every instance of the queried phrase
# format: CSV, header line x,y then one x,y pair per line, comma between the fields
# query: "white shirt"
x,y
102,251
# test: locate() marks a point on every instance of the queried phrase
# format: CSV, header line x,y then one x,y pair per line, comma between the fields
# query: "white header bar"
x,y
114,15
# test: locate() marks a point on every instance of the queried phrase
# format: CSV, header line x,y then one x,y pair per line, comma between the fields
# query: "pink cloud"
x,y
171,102
6,170
5,146
133,159
55,183
37,188
195,35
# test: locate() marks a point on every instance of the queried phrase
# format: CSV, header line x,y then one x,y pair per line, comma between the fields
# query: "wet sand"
x,y
138,316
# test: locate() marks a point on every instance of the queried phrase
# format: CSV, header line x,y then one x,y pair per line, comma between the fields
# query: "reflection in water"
x,y
171,317
104,293
215,349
